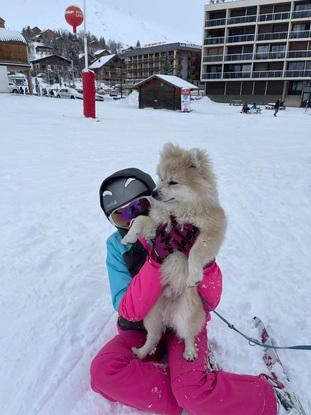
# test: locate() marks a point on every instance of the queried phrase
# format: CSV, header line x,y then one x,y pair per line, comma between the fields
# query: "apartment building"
x,y
179,59
257,50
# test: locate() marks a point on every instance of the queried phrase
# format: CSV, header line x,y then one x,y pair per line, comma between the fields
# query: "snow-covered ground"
x,y
55,307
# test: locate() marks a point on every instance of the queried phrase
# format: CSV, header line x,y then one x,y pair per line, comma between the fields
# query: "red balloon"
x,y
74,17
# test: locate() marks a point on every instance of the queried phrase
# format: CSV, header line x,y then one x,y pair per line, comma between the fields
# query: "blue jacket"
x,y
118,273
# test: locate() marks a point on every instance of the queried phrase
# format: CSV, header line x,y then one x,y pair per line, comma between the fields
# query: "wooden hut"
x,y
162,91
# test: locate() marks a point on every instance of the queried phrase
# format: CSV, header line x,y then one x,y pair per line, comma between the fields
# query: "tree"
x,y
138,44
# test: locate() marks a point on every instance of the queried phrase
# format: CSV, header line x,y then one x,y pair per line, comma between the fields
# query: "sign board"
x,y
185,99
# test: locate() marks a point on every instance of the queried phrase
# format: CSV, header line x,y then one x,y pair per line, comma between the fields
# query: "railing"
x,y
299,54
214,40
215,22
300,34
267,74
258,74
273,16
270,55
238,57
242,19
298,73
211,75
240,38
233,75
299,14
212,58
271,36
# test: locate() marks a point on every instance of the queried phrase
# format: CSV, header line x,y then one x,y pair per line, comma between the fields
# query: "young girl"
x,y
135,282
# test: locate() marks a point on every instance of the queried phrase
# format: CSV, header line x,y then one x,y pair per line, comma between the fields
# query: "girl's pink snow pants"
x,y
160,388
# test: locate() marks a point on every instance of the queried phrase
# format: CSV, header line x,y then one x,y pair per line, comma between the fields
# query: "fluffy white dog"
x,y
187,190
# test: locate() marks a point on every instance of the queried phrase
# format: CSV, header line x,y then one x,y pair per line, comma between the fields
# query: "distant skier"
x,y
276,107
245,109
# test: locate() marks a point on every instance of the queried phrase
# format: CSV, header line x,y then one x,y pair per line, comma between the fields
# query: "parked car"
x,y
98,97
69,93
114,94
13,88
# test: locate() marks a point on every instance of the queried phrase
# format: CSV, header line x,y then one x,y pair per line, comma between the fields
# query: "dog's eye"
x,y
172,182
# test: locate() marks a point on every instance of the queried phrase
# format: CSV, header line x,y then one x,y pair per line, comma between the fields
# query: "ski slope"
x,y
55,306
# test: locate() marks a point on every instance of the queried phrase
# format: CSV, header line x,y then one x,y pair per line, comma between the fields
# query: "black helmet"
x,y
122,187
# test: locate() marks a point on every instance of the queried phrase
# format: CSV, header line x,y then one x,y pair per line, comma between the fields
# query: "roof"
x,y
100,62
162,47
98,52
48,57
11,36
170,79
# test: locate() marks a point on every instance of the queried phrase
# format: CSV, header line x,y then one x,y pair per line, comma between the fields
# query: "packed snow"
x,y
55,305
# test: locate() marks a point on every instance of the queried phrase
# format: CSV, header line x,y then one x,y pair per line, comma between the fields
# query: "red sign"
x,y
74,17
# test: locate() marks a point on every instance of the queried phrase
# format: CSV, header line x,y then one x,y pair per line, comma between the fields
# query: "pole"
x,y
86,63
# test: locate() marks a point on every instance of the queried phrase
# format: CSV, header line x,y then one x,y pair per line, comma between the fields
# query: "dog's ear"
x,y
196,157
170,149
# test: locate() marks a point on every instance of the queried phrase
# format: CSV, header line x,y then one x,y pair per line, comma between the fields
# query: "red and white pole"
x,y
88,79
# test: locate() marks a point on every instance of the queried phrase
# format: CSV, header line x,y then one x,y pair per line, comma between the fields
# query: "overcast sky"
x,y
125,19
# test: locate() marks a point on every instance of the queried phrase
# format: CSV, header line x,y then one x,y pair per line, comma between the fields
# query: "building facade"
x,y
179,59
108,68
258,50
14,53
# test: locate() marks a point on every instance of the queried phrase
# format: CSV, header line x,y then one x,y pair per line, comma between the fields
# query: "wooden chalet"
x,y
162,91
108,68
14,53
54,66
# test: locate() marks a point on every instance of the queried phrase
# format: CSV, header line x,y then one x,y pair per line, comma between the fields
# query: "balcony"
x,y
272,36
239,57
298,54
267,74
215,22
302,34
240,38
235,75
301,14
212,58
298,74
273,16
242,19
211,75
214,40
270,55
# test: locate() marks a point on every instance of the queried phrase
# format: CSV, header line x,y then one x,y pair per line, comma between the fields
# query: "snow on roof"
x,y
99,63
11,36
171,79
98,52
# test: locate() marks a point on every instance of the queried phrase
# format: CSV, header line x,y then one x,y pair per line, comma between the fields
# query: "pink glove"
x,y
181,238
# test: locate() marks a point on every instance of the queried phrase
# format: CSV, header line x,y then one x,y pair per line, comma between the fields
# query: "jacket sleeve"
x,y
132,297
210,288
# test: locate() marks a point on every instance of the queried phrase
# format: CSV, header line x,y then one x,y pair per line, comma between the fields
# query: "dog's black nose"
x,y
155,194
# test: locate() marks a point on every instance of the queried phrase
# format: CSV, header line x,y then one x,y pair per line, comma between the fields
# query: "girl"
x,y
153,385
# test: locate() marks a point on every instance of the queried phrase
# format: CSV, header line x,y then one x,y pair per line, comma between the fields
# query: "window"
x,y
296,66
303,6
295,88
278,48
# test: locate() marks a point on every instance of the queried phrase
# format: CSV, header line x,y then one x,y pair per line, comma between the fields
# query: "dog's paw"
x,y
190,354
129,239
138,352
